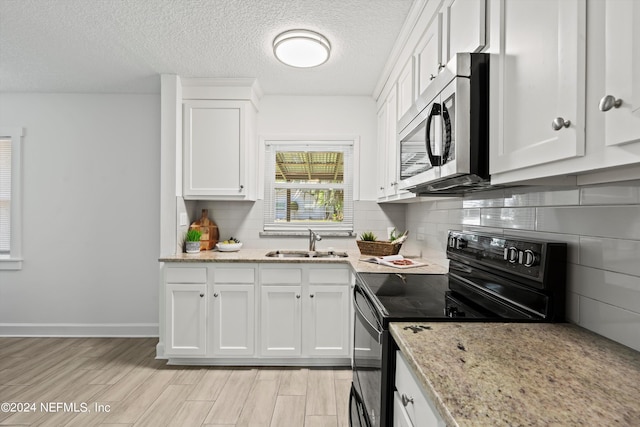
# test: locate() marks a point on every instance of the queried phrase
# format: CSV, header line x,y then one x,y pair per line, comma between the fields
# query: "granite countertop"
x,y
258,255
523,374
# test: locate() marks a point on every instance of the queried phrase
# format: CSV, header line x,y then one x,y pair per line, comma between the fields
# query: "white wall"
x,y
322,116
90,214
601,225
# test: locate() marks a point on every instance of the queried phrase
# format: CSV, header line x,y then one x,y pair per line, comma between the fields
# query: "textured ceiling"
x,y
123,45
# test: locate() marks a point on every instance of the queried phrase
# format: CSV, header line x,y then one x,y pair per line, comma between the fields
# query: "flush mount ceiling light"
x,y
301,48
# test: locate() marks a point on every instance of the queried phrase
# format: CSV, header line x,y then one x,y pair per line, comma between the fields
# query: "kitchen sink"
x,y
305,254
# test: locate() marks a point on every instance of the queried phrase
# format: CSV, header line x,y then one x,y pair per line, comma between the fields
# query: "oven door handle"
x,y
371,329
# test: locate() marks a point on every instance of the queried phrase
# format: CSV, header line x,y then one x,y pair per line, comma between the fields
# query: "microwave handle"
x,y
447,135
435,111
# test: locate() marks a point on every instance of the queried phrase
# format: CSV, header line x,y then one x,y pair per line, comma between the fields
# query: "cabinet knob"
x,y
311,296
241,187
298,296
609,102
215,295
441,66
559,123
201,295
382,188
406,399
432,77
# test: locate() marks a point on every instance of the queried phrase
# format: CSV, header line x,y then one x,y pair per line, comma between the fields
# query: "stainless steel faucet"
x,y
313,238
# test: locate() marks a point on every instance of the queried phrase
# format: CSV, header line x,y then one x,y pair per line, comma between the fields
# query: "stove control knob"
x,y
512,255
530,258
461,243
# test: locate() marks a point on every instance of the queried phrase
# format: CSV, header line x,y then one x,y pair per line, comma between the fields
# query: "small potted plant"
x,y
192,241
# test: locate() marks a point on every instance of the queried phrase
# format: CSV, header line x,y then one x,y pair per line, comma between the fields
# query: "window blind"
x,y
272,187
5,195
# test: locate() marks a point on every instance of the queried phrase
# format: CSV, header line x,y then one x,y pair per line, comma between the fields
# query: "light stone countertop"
x,y
258,255
523,374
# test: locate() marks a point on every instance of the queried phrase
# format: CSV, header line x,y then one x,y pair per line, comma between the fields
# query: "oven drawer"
x,y
410,398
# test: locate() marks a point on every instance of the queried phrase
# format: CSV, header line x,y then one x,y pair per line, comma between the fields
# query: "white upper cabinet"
x,y
388,153
382,141
620,101
217,157
406,92
538,91
464,24
429,54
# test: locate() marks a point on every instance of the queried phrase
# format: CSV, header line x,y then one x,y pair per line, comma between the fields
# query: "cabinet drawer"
x,y
281,276
338,276
234,275
185,275
419,409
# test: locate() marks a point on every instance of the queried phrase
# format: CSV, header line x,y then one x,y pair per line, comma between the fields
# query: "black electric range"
x,y
491,278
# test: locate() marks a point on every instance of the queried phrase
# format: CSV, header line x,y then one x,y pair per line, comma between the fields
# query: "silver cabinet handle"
x,y
201,295
559,123
432,77
441,66
406,400
608,102
215,294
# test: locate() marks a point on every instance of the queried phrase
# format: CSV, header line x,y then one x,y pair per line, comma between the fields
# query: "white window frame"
x,y
13,260
300,142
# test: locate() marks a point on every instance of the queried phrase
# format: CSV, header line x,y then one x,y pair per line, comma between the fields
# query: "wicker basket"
x,y
378,248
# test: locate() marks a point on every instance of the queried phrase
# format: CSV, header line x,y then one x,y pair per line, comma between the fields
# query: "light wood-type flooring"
x,y
117,382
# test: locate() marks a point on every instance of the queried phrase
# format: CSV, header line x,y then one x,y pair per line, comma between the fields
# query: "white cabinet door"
x,y
622,72
281,320
186,319
464,27
540,83
233,320
406,93
382,146
326,320
215,154
429,54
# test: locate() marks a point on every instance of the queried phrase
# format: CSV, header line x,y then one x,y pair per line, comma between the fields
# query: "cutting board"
x,y
209,230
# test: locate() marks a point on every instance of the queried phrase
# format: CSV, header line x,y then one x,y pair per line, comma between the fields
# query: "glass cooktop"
x,y
408,295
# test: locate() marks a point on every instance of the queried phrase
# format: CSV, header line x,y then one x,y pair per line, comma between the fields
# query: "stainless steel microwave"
x,y
444,138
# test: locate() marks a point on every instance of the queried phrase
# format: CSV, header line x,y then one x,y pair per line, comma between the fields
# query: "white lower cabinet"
x,y
280,321
411,406
326,322
242,313
305,311
186,320
232,311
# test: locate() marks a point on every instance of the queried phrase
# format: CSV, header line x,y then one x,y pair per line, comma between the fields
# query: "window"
x,y
309,184
10,199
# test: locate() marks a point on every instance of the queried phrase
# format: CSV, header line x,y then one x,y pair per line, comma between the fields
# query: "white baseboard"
x,y
78,329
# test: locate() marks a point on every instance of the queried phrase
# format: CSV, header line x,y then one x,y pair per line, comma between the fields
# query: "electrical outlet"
x,y
184,219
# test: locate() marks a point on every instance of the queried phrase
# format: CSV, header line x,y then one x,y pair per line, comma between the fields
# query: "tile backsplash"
x,y
601,225
244,221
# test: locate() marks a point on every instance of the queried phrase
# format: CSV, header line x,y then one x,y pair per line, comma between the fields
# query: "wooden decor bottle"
x,y
209,230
